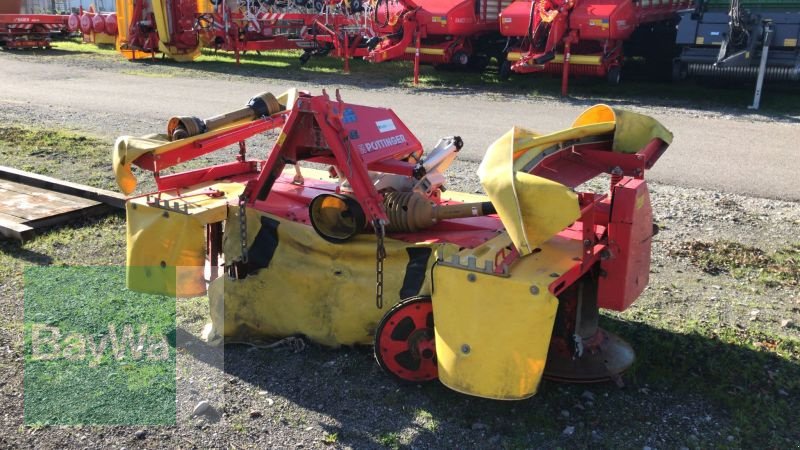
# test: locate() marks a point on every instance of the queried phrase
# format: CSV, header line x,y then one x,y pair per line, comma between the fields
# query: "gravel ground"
x,y
339,398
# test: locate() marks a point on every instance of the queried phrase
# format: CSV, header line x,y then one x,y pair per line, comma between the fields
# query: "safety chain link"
x,y
380,255
243,225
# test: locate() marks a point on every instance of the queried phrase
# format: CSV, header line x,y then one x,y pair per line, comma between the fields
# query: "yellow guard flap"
x,y
632,132
493,333
532,208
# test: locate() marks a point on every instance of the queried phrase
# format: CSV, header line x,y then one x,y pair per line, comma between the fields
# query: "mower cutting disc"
x,y
404,341
602,360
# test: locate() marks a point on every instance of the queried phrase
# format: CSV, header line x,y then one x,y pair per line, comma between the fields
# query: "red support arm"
x,y
201,147
388,50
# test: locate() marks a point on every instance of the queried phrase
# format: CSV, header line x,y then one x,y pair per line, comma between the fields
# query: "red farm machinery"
x,y
564,37
22,28
179,29
99,28
457,33
587,37
488,294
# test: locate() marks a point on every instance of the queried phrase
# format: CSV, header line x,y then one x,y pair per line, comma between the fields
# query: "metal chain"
x,y
380,255
243,225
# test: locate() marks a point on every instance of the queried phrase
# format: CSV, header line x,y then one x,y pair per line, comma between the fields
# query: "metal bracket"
x,y
176,206
762,68
471,264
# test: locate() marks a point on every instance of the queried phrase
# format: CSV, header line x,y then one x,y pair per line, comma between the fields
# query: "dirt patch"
x,y
35,141
64,154
781,267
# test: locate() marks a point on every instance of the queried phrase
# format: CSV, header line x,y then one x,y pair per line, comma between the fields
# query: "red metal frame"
x,y
584,27
229,29
614,229
432,32
30,30
155,163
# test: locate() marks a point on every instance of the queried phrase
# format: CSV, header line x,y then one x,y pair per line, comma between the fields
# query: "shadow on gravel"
x,y
18,251
38,52
684,390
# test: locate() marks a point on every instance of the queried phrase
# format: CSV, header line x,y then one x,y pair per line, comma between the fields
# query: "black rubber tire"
x,y
504,71
460,59
678,71
478,63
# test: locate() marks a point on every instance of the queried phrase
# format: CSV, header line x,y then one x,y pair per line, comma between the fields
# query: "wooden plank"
x,y
70,216
11,218
37,205
18,228
114,199
28,189
15,230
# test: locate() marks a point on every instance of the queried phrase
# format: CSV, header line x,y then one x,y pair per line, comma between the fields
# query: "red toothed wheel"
x,y
404,341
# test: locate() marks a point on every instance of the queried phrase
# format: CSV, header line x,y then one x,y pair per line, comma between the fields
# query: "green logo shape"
x,y
96,353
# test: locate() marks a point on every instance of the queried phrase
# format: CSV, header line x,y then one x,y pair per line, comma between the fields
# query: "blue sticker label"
x,y
354,134
348,116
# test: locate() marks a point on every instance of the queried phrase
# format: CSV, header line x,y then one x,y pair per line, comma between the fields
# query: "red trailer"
x,y
30,30
582,37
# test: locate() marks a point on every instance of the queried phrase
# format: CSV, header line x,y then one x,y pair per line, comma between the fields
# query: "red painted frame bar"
x,y
347,157
193,177
201,147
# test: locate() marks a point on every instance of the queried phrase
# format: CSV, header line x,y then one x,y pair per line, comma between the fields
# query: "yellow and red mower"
x,y
485,293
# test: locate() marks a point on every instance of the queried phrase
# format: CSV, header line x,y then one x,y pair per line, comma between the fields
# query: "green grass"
x,y
330,438
23,141
389,440
427,420
60,153
747,374
78,46
86,241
